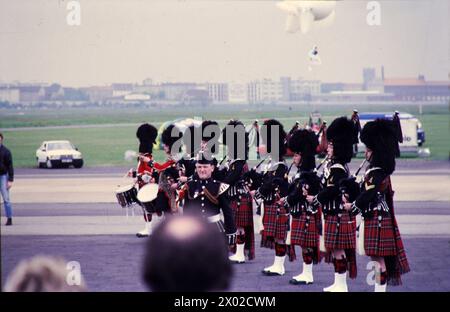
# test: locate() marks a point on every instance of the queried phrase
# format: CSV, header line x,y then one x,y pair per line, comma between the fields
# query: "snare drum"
x,y
147,195
126,195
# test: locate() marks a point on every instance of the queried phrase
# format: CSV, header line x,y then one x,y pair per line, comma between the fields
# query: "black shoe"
x,y
295,282
8,221
269,273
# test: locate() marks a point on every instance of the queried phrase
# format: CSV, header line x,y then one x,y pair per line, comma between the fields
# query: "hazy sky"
x,y
128,41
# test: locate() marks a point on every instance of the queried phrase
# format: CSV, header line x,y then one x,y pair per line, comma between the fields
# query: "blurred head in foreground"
x,y
185,253
45,274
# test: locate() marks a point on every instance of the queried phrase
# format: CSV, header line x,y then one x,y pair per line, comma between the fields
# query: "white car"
x,y
58,154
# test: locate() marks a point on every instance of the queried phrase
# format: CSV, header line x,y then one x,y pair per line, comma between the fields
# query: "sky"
x,y
192,40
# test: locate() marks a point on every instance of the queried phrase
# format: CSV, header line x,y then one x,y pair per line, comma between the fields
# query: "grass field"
x,y
114,131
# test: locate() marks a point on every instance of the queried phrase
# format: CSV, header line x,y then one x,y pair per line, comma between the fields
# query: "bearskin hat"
x,y
311,179
146,134
266,134
191,134
340,134
170,135
304,142
213,129
236,144
350,187
381,137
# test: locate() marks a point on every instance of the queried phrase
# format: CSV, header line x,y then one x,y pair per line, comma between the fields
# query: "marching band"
x,y
314,208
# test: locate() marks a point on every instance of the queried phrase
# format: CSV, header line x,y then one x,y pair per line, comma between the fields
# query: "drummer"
x,y
148,171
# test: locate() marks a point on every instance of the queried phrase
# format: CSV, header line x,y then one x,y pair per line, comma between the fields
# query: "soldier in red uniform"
x,y
148,171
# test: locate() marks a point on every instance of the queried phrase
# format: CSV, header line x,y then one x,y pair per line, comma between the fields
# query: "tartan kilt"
x,y
275,227
302,235
269,220
242,210
379,241
282,227
342,236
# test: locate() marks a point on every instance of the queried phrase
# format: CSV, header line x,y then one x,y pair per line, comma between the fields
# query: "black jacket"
x,y
330,197
207,198
6,164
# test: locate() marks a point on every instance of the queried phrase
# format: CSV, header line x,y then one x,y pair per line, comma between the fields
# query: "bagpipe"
x,y
349,187
322,176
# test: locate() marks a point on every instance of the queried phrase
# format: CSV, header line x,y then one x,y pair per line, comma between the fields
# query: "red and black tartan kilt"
x,y
379,236
342,236
282,227
275,227
305,236
269,220
242,210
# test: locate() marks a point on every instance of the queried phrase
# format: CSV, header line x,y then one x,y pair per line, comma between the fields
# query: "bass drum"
x,y
147,195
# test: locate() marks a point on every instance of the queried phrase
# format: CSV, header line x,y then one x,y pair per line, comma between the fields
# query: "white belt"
x,y
215,218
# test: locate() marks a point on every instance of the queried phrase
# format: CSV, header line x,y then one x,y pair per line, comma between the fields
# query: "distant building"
x,y
285,88
122,89
196,97
264,91
73,94
98,94
304,89
9,94
328,87
237,93
136,97
176,91
369,75
417,89
31,93
217,92
53,93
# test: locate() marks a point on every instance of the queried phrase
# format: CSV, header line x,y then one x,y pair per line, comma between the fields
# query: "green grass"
x,y
11,118
105,146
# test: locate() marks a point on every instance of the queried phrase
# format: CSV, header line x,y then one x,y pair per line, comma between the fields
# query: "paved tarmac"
x,y
73,213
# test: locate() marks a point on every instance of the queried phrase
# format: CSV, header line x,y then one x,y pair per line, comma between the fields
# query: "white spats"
x,y
277,268
305,278
147,231
239,256
340,283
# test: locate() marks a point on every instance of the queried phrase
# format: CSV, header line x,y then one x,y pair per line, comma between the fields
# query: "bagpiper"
x,y
235,137
274,186
379,233
305,218
340,225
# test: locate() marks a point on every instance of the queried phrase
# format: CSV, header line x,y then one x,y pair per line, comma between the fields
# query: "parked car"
x,y
62,153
